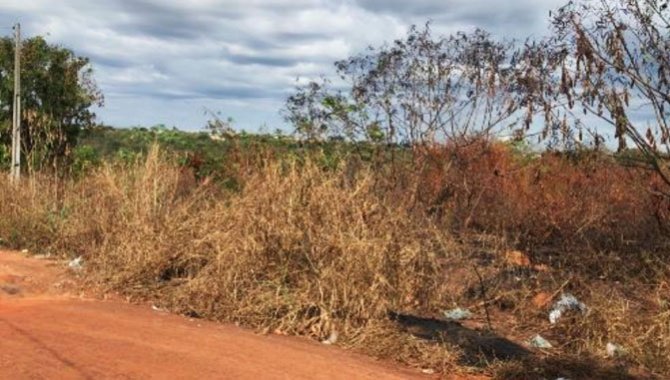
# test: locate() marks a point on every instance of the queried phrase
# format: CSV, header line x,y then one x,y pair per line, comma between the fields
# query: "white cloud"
x,y
163,61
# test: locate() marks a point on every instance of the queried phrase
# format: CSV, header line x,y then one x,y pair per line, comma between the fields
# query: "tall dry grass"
x,y
301,249
549,200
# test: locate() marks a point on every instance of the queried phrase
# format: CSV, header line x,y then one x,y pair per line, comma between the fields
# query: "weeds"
x,y
304,248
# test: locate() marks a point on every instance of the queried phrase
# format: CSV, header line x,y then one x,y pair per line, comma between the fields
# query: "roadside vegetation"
x,y
396,200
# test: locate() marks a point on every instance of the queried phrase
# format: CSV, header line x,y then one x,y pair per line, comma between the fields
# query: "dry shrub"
x,y
553,200
30,214
620,315
298,249
638,324
601,227
304,252
76,217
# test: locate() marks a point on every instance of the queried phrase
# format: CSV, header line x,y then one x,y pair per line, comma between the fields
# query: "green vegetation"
x,y
208,154
58,92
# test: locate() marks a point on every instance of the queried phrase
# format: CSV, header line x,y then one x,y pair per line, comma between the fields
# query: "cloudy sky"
x,y
166,61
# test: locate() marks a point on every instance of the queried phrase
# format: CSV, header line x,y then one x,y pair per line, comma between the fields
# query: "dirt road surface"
x,y
46,333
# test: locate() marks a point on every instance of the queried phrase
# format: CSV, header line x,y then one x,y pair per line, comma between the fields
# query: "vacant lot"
x,y
370,255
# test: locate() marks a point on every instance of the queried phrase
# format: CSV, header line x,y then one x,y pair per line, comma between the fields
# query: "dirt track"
x,y
46,333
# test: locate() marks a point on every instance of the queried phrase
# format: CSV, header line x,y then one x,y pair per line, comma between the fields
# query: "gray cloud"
x,y
402,7
243,59
516,19
163,60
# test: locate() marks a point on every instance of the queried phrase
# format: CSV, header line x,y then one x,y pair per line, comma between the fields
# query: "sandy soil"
x,y
46,332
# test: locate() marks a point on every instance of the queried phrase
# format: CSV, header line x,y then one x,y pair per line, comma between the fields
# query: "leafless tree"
x,y
416,90
611,59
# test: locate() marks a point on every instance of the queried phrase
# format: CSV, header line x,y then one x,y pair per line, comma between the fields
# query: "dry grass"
x,y
552,200
303,250
298,251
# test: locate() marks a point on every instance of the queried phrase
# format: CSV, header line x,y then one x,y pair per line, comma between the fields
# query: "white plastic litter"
x,y
614,350
159,309
332,339
539,342
457,314
76,263
566,303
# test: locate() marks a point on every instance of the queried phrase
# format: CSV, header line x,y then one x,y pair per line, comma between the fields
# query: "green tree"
x,y
58,92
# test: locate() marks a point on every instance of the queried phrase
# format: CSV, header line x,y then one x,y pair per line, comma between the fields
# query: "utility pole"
x,y
16,123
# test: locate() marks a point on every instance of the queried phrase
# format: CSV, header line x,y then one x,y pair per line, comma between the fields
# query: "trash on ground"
x,y
457,314
614,350
566,303
539,342
332,339
428,371
158,308
76,263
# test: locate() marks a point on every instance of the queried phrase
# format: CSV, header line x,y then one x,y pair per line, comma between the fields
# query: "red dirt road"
x,y
47,334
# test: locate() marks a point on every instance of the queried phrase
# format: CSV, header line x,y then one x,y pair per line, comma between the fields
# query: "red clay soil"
x,y
46,333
